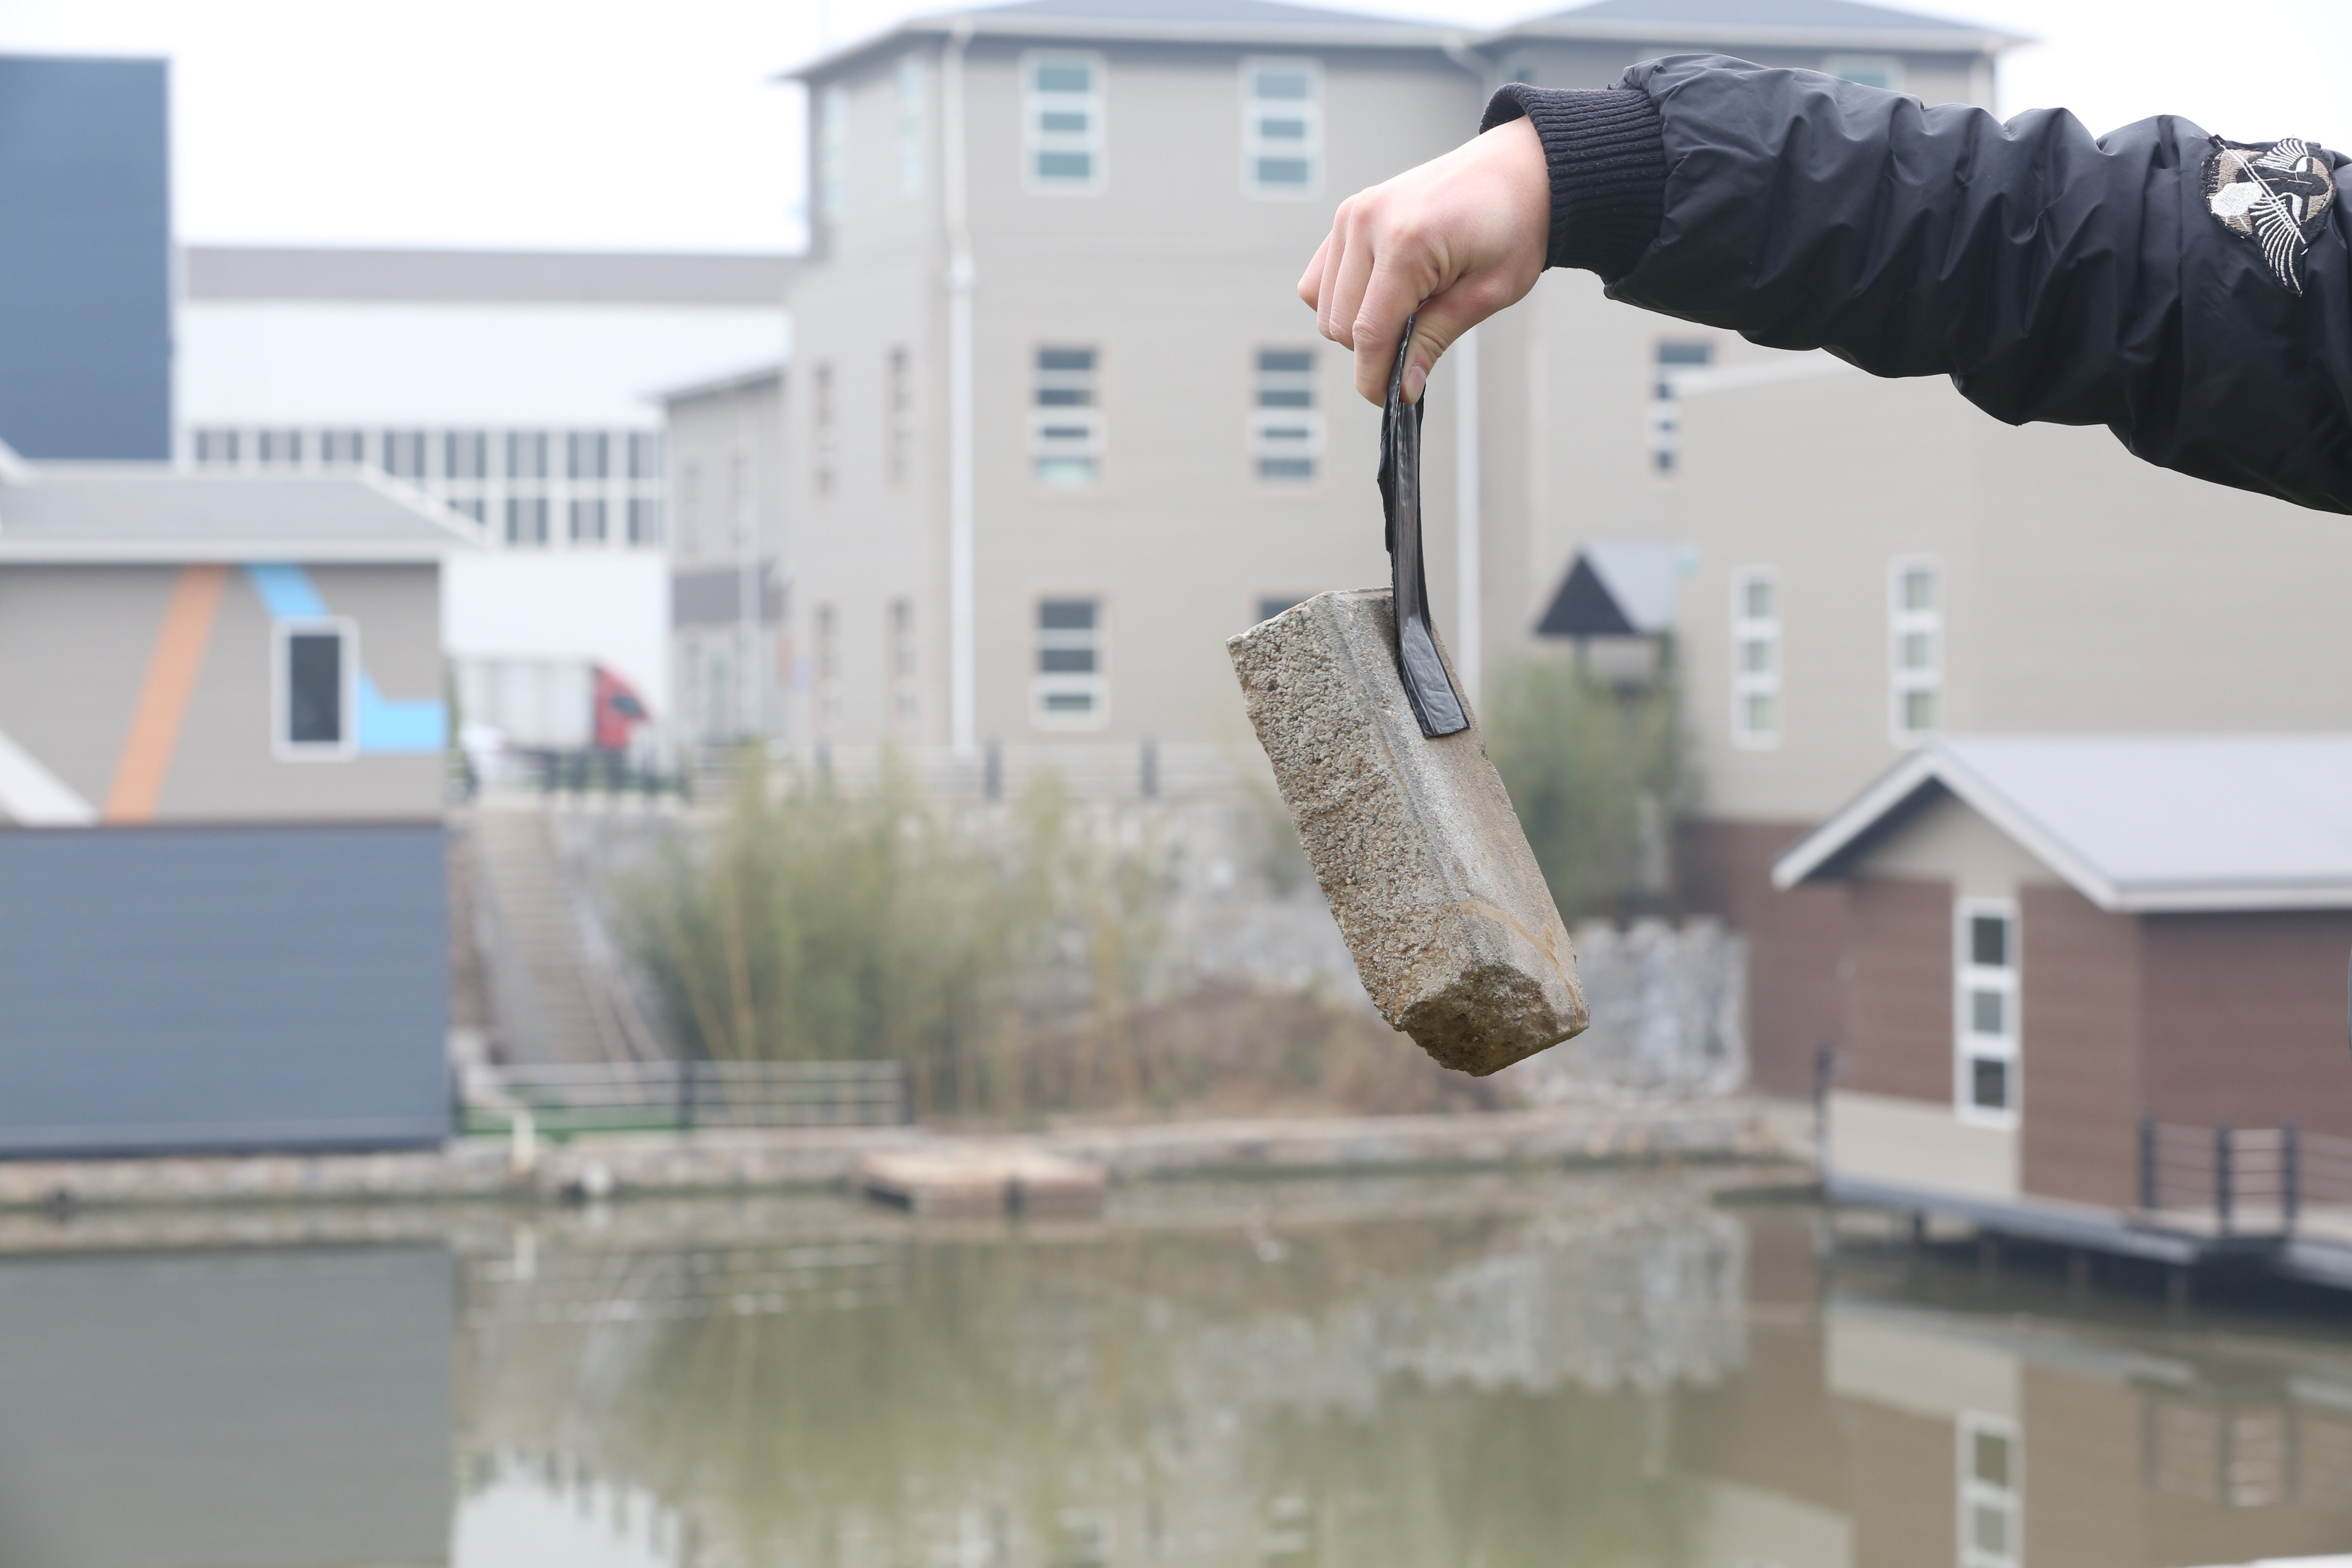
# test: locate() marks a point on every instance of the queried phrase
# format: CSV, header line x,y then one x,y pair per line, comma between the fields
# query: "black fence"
x,y
2241,1180
657,1097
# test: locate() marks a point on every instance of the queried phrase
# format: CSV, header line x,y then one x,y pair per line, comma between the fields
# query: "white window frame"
x,y
1843,65
913,95
1073,431
281,690
1975,1494
833,152
1904,680
1969,1047
1285,432
1093,141
1748,630
1094,686
1255,145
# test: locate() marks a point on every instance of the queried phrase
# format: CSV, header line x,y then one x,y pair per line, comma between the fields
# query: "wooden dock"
x,y
981,1179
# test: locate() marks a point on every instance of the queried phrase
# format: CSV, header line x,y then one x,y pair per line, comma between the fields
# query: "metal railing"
x,y
2249,1181
672,1095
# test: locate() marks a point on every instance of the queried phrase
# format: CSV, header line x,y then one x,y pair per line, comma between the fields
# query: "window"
x,y
526,520
1992,1492
1286,432
216,448
645,521
1674,360
833,152
404,454
1062,123
1985,965
828,670
645,455
1756,658
315,669
586,454
526,455
690,506
1066,431
1868,70
902,662
1282,128
1272,604
465,454
1915,623
911,126
341,449
279,448
825,447
1070,692
587,522
898,419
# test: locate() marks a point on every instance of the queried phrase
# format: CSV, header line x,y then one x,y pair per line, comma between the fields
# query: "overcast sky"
x,y
588,123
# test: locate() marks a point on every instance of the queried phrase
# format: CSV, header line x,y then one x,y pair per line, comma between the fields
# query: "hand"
x,y
1454,241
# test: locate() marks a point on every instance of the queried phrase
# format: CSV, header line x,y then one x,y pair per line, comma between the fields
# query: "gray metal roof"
x,y
1796,24
2134,823
487,276
141,512
1756,13
1260,11
721,385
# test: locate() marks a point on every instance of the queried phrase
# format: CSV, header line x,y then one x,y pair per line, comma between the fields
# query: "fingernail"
x,y
1415,378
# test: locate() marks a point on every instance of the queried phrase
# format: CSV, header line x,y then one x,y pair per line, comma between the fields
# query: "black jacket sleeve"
x,y
2053,276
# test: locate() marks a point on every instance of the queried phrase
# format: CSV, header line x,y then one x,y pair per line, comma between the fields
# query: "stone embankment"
x,y
717,1161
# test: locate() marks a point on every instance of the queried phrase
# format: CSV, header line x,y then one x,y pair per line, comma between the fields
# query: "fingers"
x,y
1346,276
1391,295
1310,282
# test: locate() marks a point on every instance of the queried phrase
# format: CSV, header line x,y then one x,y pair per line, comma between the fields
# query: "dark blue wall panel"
x,y
86,261
223,988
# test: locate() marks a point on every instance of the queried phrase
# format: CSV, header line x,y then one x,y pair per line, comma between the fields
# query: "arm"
x,y
2052,276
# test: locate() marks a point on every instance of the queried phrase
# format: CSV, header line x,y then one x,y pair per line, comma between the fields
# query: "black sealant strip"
x,y
1426,685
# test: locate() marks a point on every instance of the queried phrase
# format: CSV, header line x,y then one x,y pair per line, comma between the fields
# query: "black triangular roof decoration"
x,y
1584,608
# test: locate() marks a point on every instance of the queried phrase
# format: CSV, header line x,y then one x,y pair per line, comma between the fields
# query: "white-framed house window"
x,y
833,152
911,125
902,663
1756,658
1676,359
1985,1011
1868,70
314,689
1282,127
1992,1491
1915,647
1070,691
1065,427
1063,146
1285,432
899,417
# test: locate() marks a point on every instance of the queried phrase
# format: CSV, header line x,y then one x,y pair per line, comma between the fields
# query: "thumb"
x,y
1439,324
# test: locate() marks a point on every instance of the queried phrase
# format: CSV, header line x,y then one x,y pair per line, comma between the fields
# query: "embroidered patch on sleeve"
x,y
2275,193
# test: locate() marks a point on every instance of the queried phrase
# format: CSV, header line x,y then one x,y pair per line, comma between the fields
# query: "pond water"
x,y
1613,1370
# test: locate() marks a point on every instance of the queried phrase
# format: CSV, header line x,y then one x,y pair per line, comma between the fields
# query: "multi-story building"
x,y
731,664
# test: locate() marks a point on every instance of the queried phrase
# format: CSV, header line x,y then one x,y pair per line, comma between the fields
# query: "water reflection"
x,y
1609,1370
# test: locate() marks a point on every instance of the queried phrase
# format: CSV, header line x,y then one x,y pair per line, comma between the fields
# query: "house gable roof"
x,y
1625,588
1817,24
141,512
2135,824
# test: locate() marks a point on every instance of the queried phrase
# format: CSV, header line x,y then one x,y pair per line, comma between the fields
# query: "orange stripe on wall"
x,y
164,697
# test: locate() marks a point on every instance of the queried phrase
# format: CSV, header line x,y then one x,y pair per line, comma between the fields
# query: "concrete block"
x,y
1414,841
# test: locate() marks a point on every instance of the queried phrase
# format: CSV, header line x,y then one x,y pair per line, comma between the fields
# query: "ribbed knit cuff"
x,y
1607,154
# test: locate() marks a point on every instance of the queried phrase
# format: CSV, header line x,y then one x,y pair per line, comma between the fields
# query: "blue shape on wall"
x,y
421,726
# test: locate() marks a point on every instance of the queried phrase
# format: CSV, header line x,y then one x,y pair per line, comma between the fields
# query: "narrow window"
x,y
1675,360
1868,70
833,152
1069,689
1062,143
644,519
342,448
1915,623
1756,658
1985,964
587,455
1282,127
216,448
1992,1492
317,662
828,670
911,126
825,444
404,454
280,448
1286,432
645,455
898,418
526,520
587,522
1066,430
902,662
689,508
526,455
